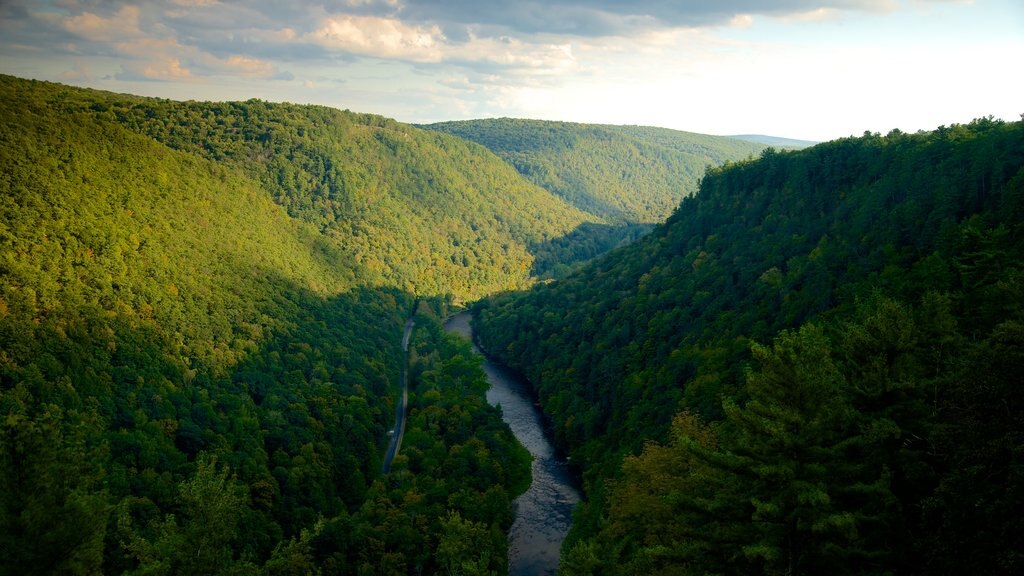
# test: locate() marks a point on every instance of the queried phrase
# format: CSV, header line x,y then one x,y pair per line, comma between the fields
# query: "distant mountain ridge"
x,y
776,141
621,174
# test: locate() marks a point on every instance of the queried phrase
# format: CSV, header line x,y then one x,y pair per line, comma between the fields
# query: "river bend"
x,y
543,513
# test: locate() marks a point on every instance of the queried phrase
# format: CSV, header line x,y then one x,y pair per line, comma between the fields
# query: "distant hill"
x,y
776,141
621,174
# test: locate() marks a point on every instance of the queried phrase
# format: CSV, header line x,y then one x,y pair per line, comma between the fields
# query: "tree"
x,y
202,540
795,452
464,548
672,508
53,511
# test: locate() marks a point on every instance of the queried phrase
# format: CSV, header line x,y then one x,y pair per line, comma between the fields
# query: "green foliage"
x,y
202,540
627,177
839,462
621,174
422,211
557,258
53,508
294,558
855,444
201,310
445,507
214,355
459,553
796,454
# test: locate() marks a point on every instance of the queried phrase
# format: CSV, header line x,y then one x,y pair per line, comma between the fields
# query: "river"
x,y
544,512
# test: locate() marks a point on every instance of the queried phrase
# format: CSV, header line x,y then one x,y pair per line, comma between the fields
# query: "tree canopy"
x,y
200,348
828,320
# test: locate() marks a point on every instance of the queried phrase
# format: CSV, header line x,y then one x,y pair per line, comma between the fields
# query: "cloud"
x,y
362,3
815,15
90,26
511,54
154,58
741,21
380,37
248,67
164,68
595,18
390,38
488,43
80,72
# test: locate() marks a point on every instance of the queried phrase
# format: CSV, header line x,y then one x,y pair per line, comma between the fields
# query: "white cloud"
x,y
247,66
540,58
390,38
741,21
380,37
792,67
815,15
166,69
124,24
161,68
362,3
154,59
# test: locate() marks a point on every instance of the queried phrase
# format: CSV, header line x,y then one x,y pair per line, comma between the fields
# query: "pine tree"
x,y
794,453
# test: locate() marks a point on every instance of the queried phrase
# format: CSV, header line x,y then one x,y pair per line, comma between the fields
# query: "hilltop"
x,y
621,174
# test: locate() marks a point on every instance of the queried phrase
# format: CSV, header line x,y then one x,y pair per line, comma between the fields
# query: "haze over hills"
x,y
776,141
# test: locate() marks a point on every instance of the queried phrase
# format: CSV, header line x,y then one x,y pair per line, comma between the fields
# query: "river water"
x,y
544,512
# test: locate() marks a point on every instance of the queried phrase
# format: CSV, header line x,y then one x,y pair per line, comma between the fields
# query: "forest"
x,y
758,360
201,310
812,367
195,380
621,174
626,177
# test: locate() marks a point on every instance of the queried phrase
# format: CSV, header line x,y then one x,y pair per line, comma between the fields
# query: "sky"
x,y
807,69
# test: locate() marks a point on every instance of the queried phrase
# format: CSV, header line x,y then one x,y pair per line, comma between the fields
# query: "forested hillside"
x,y
420,210
621,174
813,367
626,177
200,343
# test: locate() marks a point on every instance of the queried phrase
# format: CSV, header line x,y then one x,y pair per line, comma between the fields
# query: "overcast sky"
x,y
811,69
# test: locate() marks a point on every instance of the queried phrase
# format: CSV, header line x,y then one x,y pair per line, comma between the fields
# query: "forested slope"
x,y
423,211
621,174
197,366
837,334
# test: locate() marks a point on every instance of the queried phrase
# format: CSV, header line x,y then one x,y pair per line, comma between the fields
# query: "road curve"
x,y
403,401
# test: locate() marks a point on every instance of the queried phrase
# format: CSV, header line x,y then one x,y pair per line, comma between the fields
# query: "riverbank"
x,y
543,514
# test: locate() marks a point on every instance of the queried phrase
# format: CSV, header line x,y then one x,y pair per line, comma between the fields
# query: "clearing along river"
x,y
544,511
